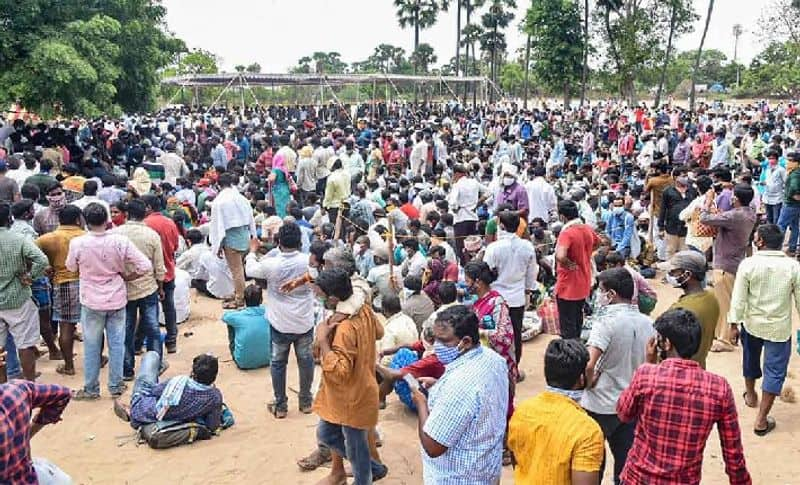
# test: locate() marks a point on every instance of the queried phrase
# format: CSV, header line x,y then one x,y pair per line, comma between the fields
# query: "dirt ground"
x,y
95,447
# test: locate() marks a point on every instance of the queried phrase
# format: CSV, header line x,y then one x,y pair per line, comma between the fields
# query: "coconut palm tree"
x,y
469,7
418,14
699,53
585,69
493,40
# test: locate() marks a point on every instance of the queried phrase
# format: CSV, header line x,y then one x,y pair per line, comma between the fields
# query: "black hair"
x,y
509,220
411,243
21,208
335,282
205,368
194,236
70,215
619,280
90,187
568,209
744,193
413,283
564,363
153,202
30,191
95,215
252,295
463,321
318,249
772,236
703,183
289,235
447,292
480,271
136,209
390,303
682,328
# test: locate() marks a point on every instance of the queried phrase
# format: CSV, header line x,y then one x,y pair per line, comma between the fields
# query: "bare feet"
x,y
122,411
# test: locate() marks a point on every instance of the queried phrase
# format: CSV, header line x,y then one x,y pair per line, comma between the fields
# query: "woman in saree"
x,y
279,181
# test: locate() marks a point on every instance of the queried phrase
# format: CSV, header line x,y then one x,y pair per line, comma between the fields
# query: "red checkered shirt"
x,y
17,401
676,404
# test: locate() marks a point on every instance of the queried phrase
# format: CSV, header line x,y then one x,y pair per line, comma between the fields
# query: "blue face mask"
x,y
444,353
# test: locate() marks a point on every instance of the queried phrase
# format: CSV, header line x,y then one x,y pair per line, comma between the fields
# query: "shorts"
x,y
22,323
776,361
41,293
66,302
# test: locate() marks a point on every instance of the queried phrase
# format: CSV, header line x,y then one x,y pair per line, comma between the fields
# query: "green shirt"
x,y
20,256
792,188
706,308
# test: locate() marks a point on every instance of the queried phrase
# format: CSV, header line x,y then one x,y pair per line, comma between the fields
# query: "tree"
x,y
418,14
680,12
699,53
556,44
512,78
780,21
240,68
320,63
385,58
197,61
253,68
493,39
774,72
585,67
470,34
423,57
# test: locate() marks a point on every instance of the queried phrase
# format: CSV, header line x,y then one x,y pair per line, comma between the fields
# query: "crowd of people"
x,y
406,248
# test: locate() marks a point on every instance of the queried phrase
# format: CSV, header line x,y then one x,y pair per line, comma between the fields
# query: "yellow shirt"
x,y
56,246
551,435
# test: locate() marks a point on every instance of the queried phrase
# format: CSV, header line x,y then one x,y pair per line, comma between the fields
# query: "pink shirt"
x,y
101,259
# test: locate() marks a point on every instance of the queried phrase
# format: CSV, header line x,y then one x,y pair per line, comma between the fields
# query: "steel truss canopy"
x,y
269,80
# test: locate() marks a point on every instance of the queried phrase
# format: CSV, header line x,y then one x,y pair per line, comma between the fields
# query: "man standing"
x,y
289,313
767,284
347,401
102,260
174,166
730,245
673,201
552,438
616,348
464,198
23,262
574,248
46,220
9,190
655,187
541,196
512,192
145,291
168,231
687,270
514,260
620,228
790,212
463,419
677,403
232,228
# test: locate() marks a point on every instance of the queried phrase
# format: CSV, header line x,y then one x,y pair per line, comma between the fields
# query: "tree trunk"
x,y
613,48
566,96
663,76
585,70
527,72
458,37
699,53
416,46
466,50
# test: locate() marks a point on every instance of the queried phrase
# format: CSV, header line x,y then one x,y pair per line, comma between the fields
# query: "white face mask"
x,y
507,181
313,272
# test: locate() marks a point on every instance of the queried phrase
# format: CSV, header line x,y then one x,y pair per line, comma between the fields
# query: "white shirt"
x,y
286,312
89,199
419,154
517,269
541,199
189,260
216,273
399,329
464,198
174,167
21,174
416,264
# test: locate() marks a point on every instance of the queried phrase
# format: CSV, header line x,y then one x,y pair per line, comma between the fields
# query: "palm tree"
x,y
699,53
469,7
493,40
458,35
585,70
419,14
424,56
470,35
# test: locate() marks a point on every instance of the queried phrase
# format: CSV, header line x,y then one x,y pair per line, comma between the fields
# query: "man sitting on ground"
x,y
181,398
248,332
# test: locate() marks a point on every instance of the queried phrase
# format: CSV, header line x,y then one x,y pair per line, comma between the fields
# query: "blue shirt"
x,y
219,156
252,342
468,408
244,149
620,229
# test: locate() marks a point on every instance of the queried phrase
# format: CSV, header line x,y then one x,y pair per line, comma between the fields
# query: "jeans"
x,y
170,317
516,314
773,212
13,369
147,307
147,377
351,443
620,438
94,323
305,364
790,218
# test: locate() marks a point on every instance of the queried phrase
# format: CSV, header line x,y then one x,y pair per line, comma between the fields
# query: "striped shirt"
x,y
468,415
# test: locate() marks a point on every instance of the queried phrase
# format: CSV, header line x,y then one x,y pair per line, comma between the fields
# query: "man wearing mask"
x,y
616,349
512,192
46,220
620,228
673,201
721,150
542,198
732,241
790,212
773,183
464,198
767,286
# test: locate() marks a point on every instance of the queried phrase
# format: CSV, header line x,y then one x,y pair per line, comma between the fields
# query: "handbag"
x,y
700,229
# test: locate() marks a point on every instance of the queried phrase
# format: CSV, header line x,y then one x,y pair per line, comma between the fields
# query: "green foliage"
x,y
197,61
253,68
423,57
321,63
385,58
512,78
774,72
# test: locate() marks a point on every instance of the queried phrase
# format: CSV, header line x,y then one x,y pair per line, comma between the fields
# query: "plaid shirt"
x,y
20,255
676,404
17,401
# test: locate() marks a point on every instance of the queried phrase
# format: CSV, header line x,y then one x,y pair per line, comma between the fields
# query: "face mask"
x,y
118,219
57,202
538,233
313,272
618,210
444,353
675,281
507,181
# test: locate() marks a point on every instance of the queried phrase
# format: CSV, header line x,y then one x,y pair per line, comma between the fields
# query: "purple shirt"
x,y
723,200
515,195
101,259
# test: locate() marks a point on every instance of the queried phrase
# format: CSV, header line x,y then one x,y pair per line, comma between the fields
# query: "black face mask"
x,y
538,233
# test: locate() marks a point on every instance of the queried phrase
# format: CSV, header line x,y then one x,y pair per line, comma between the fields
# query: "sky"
x,y
276,33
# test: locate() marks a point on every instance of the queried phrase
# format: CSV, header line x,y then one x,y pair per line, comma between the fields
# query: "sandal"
x,y
83,395
770,426
313,461
278,413
62,369
753,405
232,305
120,390
121,412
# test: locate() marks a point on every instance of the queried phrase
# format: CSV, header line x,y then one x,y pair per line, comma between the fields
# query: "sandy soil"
x,y
94,446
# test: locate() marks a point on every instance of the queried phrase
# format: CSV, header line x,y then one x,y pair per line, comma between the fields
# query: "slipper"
x,y
121,412
232,305
278,413
754,405
62,369
770,426
83,395
313,461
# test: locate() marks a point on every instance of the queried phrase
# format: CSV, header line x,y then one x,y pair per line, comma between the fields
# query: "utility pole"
x,y
737,32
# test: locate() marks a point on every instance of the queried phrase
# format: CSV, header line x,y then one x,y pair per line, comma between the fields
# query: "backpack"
x,y
167,434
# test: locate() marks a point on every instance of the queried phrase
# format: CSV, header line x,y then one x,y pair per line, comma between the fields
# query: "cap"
x,y
688,260
472,243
